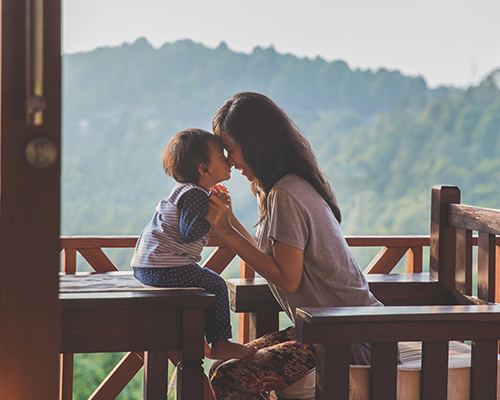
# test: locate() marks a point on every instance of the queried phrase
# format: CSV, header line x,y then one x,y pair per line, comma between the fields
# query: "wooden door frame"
x,y
29,212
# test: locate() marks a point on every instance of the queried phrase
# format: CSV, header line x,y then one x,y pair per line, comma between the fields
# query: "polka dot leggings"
x,y
217,321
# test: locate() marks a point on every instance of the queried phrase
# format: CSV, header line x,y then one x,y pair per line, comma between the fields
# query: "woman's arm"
x,y
284,268
223,194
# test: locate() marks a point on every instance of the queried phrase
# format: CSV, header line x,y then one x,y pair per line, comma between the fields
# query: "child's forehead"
x,y
216,143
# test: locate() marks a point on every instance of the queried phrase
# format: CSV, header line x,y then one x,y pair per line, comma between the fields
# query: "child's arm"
x,y
193,206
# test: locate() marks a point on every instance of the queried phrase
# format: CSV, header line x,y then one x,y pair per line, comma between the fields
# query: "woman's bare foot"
x,y
223,349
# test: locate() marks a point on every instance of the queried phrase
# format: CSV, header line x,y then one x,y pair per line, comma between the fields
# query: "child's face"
x,y
219,168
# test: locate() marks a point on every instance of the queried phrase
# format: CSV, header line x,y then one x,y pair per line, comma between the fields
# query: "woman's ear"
x,y
203,170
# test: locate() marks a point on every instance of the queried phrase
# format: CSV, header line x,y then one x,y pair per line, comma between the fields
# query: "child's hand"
x,y
222,193
219,187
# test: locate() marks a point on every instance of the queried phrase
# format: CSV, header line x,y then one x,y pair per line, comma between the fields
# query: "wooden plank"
x,y
66,377
190,376
474,218
332,371
388,241
404,293
262,323
384,369
464,261
385,261
486,267
119,377
424,323
155,374
112,330
483,383
497,268
244,318
215,241
414,259
434,373
142,300
29,210
92,242
443,240
254,295
98,260
219,259
69,261
251,295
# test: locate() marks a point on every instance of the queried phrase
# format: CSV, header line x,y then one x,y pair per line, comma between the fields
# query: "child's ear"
x,y
203,170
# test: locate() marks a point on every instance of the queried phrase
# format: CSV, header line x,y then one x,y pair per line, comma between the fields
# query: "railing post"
x,y
443,239
414,261
244,318
67,360
66,377
69,260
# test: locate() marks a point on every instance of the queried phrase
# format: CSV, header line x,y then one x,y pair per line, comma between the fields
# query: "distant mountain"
x,y
382,138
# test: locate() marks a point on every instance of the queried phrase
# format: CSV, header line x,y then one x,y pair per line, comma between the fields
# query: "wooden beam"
x,y
385,261
29,204
98,260
119,377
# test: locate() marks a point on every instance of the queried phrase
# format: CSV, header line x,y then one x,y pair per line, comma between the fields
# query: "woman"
x,y
300,249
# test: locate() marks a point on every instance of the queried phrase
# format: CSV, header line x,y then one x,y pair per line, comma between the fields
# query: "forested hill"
x,y
382,138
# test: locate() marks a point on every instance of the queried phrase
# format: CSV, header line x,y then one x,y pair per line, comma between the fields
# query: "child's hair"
x,y
185,152
271,144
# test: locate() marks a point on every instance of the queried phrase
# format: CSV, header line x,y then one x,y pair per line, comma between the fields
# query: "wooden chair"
x,y
448,309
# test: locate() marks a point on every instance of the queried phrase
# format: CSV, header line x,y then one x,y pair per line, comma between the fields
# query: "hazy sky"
x,y
452,42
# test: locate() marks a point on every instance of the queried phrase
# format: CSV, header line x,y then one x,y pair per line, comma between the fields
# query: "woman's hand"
x,y
284,268
219,213
222,193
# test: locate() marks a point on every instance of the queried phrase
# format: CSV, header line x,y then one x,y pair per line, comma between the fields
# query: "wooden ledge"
x,y
392,324
254,295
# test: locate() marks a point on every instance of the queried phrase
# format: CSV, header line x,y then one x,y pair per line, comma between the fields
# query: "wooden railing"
x,y
393,249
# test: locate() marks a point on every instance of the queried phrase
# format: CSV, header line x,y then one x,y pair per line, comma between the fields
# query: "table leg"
x,y
262,323
190,374
155,375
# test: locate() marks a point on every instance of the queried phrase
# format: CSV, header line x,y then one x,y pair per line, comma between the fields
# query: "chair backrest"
x,y
451,246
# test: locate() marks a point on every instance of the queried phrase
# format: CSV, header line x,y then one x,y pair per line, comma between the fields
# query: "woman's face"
x,y
235,157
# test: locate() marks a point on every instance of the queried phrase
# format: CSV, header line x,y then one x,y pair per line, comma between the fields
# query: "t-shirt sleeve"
x,y
193,206
287,222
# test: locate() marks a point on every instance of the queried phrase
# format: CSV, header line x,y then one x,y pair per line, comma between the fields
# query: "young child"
x,y
169,248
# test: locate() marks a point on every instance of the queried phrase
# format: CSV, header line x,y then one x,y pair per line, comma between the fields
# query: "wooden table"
x,y
112,313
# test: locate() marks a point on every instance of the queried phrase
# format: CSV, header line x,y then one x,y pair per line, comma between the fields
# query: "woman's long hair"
x,y
271,144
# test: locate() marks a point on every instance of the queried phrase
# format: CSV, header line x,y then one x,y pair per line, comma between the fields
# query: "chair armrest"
x,y
254,295
251,295
387,324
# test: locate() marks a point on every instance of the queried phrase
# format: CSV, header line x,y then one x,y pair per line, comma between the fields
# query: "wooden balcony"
x,y
392,251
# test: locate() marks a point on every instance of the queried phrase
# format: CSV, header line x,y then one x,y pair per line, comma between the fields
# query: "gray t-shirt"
x,y
299,217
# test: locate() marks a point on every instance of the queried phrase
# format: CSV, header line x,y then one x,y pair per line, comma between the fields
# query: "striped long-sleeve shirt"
x,y
178,230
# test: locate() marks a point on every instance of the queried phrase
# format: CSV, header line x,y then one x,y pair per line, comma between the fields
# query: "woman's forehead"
x,y
226,140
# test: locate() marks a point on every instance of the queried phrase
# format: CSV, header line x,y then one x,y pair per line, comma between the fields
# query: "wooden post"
x,y
443,239
30,137
245,323
190,384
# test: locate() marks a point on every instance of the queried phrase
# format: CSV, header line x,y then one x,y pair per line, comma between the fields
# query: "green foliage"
x,y
91,369
383,139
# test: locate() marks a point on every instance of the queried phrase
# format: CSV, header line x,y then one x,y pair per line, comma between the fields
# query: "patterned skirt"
x,y
280,362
